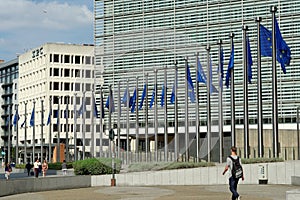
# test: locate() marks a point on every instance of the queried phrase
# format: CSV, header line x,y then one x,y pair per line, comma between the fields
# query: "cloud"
x,y
27,24
16,14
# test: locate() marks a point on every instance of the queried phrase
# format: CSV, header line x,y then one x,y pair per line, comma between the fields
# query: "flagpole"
x,y
155,117
146,118
17,137
50,130
58,132
137,120
127,122
259,94
274,86
166,115
220,101
119,119
67,129
186,112
109,117
9,134
42,130
246,112
101,123
75,127
197,113
92,150
232,99
83,125
208,104
33,133
25,134
176,149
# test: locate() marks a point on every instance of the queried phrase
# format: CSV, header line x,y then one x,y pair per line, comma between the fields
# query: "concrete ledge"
x,y
293,195
17,186
295,180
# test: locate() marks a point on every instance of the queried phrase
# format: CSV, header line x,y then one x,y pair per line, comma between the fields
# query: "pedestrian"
x,y
44,168
28,166
36,168
8,171
235,170
64,167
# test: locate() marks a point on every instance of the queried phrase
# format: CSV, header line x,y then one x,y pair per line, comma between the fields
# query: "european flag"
x,y
143,97
108,102
249,61
172,99
32,118
22,125
191,90
162,98
56,112
212,87
49,118
125,98
152,98
7,122
16,118
201,78
102,106
221,70
230,66
283,52
133,100
95,111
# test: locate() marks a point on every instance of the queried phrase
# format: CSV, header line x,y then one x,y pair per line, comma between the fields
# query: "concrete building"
x,y
61,77
9,73
139,36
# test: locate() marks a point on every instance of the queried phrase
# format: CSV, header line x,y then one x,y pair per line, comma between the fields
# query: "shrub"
x,y
20,166
156,166
57,166
95,166
261,160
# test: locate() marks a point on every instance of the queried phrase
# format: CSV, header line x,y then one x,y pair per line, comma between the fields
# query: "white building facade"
x,y
61,77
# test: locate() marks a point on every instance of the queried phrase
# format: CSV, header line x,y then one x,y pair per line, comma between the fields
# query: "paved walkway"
x,y
211,192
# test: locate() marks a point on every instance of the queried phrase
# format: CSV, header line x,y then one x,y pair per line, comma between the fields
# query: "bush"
x,y
156,166
57,166
20,166
261,160
95,166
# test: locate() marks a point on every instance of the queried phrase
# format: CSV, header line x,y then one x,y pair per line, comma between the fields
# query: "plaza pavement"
x,y
208,192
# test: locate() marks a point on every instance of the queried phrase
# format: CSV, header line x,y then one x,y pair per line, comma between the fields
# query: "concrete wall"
x,y
17,186
278,173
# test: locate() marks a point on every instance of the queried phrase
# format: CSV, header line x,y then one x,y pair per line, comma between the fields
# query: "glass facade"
x,y
139,36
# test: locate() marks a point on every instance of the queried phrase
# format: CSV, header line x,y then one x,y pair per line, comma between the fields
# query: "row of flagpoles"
x,y
269,44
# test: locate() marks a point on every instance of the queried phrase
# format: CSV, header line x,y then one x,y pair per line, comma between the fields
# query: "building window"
x,y
55,100
67,59
77,73
50,72
88,74
56,72
88,60
66,86
56,58
67,72
77,86
50,57
56,86
88,87
77,59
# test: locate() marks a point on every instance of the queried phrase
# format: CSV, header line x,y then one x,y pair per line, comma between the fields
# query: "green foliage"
x,y
95,166
157,166
57,166
261,160
20,166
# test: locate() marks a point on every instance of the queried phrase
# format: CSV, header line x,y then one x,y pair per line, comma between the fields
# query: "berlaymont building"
x,y
146,42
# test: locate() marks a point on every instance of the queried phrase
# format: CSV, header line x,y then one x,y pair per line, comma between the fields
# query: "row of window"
x,y
67,72
71,59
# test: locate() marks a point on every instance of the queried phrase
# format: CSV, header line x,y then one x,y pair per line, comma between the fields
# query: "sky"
x,y
27,24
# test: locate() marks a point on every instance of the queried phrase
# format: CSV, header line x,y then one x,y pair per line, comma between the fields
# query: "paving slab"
x,y
209,192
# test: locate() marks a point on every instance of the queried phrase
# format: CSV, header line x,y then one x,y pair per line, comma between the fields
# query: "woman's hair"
x,y
233,149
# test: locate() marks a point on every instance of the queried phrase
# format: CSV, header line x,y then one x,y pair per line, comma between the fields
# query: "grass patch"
x,y
157,166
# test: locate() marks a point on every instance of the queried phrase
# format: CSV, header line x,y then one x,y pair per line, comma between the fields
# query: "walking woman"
x,y
44,168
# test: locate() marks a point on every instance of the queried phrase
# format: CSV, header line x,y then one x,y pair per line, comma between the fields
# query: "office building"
x,y
139,36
